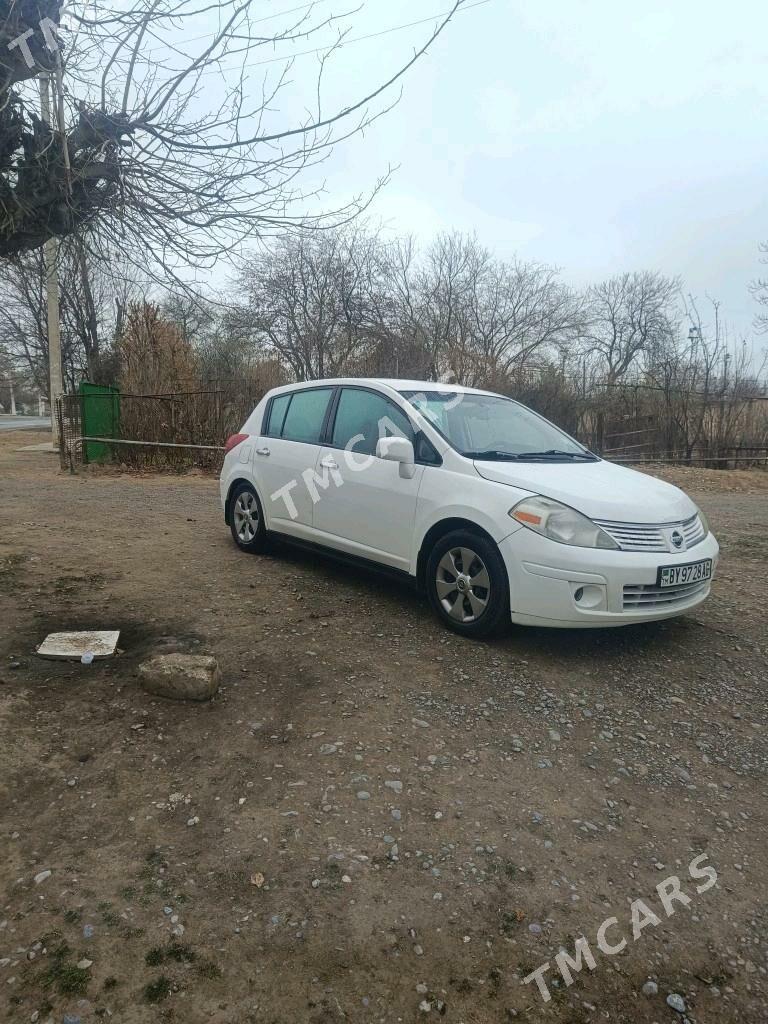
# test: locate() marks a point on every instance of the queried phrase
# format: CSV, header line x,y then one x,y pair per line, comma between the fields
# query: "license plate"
x,y
679,575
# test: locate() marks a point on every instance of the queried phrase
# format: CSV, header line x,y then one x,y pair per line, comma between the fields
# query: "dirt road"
x,y
433,819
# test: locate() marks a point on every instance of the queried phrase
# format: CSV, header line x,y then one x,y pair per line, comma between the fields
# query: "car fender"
x,y
498,527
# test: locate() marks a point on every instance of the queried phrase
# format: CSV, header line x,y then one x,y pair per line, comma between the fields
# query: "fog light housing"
x,y
589,596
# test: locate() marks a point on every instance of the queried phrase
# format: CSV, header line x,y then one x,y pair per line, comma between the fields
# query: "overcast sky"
x,y
598,136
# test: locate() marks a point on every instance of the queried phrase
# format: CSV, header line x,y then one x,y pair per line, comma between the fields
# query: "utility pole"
x,y
51,263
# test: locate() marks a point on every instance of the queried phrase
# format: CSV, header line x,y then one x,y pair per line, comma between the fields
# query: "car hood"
x,y
601,490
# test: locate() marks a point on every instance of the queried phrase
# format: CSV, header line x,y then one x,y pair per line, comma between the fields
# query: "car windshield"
x,y
496,429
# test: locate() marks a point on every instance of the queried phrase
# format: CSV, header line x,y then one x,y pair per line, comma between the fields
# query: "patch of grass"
x,y
67,979
72,916
208,969
108,915
110,983
128,893
180,952
157,990
510,922
176,952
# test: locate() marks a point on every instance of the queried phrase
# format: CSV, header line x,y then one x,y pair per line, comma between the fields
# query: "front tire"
x,y
467,584
246,519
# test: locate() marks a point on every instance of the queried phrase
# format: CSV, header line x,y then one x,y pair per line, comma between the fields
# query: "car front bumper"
x,y
558,585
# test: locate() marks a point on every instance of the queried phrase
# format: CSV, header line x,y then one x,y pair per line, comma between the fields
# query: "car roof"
x,y
392,382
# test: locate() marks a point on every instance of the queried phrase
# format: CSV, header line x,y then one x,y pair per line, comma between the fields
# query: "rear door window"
x,y
306,414
277,415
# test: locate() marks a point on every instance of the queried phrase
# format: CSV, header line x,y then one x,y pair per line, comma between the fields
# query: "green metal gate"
x,y
100,418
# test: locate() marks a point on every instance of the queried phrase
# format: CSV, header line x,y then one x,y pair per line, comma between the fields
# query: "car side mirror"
x,y
398,449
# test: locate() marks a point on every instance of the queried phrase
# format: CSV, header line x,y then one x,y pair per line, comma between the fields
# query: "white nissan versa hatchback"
x,y
494,511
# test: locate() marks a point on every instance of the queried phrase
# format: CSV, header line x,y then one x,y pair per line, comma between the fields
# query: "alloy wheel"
x,y
463,584
246,516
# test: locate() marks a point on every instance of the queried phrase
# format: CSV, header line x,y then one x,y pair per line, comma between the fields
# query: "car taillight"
x,y
234,441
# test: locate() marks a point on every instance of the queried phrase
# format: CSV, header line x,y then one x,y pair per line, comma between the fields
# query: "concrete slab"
x,y
72,646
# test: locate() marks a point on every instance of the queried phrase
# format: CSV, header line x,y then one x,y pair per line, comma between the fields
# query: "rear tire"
x,y
246,519
467,584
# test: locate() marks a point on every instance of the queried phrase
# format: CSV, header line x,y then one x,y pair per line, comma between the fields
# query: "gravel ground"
x,y
374,820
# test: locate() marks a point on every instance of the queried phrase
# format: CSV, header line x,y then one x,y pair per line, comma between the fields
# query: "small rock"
x,y
180,676
395,785
676,1002
88,931
42,875
193,821
650,988
84,964
363,794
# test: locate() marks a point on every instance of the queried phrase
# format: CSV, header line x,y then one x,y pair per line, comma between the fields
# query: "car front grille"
x,y
653,537
639,596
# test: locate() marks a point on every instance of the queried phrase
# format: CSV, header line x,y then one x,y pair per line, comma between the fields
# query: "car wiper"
x,y
492,455
555,453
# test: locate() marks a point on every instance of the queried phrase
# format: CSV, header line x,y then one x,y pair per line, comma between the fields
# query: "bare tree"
x,y
687,370
162,142
630,315
308,299
483,318
759,290
92,293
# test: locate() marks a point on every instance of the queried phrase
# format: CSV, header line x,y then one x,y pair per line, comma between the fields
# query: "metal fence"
x,y
630,424
171,431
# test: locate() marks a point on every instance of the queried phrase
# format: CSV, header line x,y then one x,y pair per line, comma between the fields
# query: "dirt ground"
x,y
433,818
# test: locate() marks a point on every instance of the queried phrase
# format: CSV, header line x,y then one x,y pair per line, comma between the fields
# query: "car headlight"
x,y
560,523
704,522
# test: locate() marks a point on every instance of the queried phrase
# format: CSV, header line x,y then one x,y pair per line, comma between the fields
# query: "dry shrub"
x,y
164,400
153,356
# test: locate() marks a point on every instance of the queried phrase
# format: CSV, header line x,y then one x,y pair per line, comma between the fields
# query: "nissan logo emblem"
x,y
677,539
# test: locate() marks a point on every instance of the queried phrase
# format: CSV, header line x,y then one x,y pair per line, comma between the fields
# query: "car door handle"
x,y
262,451
329,463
